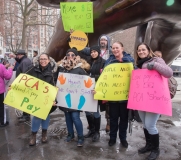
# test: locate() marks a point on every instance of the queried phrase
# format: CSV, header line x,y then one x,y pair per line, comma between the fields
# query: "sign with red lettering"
x,y
149,92
31,95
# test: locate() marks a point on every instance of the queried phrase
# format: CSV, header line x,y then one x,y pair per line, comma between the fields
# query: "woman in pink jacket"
x,y
5,74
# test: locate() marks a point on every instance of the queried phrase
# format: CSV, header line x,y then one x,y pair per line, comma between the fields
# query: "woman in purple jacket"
x,y
146,59
4,74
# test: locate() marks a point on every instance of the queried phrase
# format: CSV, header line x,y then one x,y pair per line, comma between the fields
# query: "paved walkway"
x,y
14,140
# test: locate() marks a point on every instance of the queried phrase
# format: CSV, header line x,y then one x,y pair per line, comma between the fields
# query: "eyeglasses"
x,y
43,59
68,55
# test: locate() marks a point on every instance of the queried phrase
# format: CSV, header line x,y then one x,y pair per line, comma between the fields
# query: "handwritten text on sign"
x,y
149,92
114,81
77,16
75,92
31,95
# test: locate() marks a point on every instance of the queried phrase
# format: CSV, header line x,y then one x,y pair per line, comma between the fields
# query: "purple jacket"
x,y
4,74
160,66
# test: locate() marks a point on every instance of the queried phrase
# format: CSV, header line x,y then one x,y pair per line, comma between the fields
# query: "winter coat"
x,y
24,63
4,74
126,59
96,67
76,70
48,74
108,50
160,66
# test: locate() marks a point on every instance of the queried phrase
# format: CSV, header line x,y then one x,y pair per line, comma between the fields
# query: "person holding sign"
x,y
118,111
146,59
72,64
4,74
43,68
94,119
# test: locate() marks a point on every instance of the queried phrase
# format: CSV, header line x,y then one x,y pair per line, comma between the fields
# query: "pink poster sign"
x,y
149,92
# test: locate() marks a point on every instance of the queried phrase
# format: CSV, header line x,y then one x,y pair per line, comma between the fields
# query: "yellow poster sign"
x,y
78,40
31,95
113,83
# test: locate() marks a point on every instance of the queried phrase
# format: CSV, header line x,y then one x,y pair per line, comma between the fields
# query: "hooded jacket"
x,y
48,74
4,74
108,50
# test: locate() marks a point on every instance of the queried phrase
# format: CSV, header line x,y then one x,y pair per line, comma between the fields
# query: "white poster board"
x,y
75,92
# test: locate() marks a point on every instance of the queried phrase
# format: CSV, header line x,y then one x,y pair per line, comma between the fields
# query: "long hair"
x,y
151,53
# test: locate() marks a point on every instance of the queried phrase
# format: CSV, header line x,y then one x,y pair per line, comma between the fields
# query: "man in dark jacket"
x,y
24,63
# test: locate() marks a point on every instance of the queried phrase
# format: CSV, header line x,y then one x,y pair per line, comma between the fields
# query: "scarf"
x,y
141,61
70,64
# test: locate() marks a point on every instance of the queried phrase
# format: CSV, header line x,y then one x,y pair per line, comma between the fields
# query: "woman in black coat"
x,y
43,68
94,119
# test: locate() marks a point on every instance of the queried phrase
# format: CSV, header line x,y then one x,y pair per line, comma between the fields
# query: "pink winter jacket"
x,y
160,66
4,74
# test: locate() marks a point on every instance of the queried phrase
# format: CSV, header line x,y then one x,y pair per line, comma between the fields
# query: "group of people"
x,y
101,55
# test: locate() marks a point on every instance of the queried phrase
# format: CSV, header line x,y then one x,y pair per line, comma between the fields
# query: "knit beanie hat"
x,y
104,37
72,50
95,48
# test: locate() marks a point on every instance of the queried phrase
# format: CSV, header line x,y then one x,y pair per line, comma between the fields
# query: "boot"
x,y
32,139
148,145
108,125
90,120
155,150
97,123
80,141
44,136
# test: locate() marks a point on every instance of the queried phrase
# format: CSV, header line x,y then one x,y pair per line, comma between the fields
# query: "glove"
x,y
150,66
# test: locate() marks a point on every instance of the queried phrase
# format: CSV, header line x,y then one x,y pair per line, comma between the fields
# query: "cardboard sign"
x,y
113,83
31,95
149,92
75,92
77,16
78,40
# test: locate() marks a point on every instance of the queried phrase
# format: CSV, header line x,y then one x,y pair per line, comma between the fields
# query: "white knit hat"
x,y
104,37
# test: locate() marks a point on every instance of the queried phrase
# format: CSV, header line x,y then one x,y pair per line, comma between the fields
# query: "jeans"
x,y
149,121
95,114
36,122
118,113
74,118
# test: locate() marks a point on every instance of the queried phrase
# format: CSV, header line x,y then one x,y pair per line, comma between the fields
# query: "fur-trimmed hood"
x,y
52,63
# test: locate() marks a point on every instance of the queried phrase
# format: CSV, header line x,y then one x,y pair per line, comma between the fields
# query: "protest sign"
x,y
78,40
77,16
75,92
113,83
31,95
149,92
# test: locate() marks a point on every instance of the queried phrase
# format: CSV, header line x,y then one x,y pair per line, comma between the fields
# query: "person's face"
x,y
70,55
142,51
44,60
117,49
103,43
19,56
94,54
34,54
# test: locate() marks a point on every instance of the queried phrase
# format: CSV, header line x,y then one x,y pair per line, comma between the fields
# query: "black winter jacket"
x,y
24,64
48,74
96,67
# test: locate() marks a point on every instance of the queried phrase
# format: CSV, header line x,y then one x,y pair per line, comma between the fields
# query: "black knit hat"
x,y
95,48
72,50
